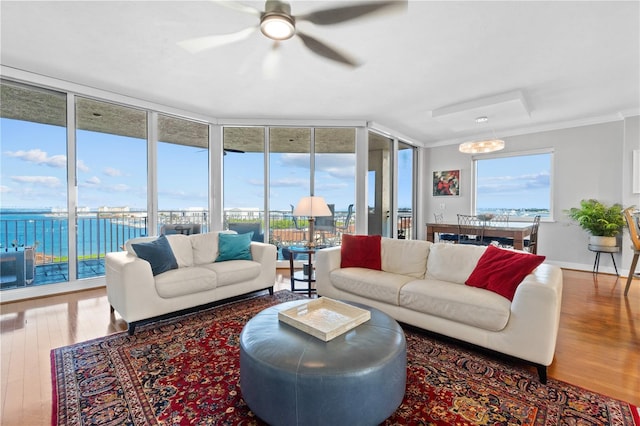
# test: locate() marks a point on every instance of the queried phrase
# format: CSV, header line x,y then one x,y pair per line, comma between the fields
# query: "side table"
x,y
306,275
603,249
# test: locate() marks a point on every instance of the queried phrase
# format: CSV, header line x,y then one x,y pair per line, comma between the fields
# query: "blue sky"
x,y
112,171
514,182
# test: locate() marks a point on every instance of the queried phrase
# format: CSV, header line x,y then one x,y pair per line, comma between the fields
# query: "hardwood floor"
x,y
598,343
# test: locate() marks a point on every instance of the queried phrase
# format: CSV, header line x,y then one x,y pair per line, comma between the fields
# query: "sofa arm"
x,y
327,260
264,253
267,256
130,285
535,313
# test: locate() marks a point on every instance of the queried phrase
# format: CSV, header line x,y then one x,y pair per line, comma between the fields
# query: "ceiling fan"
x,y
278,24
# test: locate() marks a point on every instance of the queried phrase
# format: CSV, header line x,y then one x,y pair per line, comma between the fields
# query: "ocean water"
x,y
96,236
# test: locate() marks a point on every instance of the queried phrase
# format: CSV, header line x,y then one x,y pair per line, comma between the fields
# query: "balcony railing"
x,y
102,232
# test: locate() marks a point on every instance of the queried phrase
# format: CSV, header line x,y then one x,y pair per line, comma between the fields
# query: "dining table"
x,y
517,231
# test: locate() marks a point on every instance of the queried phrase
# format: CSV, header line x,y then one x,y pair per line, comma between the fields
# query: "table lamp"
x,y
311,207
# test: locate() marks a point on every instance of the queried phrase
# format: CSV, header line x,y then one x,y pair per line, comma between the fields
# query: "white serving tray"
x,y
324,318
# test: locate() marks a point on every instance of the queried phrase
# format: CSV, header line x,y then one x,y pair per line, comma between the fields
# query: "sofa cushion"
x,y
452,262
183,281
204,247
377,285
128,245
468,305
234,247
158,253
360,251
406,257
181,247
501,271
234,271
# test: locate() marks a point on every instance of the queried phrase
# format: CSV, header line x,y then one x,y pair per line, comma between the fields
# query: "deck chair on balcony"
x,y
180,228
246,227
326,225
470,230
341,229
296,224
634,234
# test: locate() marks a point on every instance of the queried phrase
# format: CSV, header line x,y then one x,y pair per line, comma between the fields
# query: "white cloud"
x,y
94,180
110,171
119,188
38,156
49,181
5,189
82,166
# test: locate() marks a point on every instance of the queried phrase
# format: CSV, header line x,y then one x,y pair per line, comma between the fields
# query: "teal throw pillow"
x,y
234,247
158,253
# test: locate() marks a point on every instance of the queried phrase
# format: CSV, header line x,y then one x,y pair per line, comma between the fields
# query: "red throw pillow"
x,y
361,251
501,271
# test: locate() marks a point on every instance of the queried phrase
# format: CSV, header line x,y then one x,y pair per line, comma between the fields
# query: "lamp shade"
x,y
481,146
312,207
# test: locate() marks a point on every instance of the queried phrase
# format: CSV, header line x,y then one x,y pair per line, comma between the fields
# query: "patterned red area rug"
x,y
186,371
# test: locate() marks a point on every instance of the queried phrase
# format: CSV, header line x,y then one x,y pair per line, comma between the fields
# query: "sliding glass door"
x,y
34,223
183,175
111,171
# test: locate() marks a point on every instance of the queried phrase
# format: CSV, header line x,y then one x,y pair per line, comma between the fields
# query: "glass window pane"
x,y
111,152
405,190
335,174
518,185
33,213
244,180
183,175
290,180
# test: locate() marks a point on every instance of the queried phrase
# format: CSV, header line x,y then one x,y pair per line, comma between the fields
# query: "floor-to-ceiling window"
x,y
111,167
380,183
33,186
405,190
183,175
244,183
125,169
334,179
289,180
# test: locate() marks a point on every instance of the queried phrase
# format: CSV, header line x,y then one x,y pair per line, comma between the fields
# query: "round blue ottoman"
x,y
288,377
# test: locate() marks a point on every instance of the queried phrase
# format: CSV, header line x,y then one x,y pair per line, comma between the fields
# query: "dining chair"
x,y
439,218
470,230
634,234
531,244
498,221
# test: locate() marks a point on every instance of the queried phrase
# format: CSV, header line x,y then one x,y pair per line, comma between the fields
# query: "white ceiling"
x,y
572,62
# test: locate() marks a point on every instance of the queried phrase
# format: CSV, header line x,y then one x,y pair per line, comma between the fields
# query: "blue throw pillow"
x,y
234,247
158,253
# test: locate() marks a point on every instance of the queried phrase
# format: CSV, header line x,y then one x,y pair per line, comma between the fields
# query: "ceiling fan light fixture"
x,y
277,26
481,147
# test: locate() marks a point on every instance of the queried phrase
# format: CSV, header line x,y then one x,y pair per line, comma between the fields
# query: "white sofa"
x,y
138,295
423,284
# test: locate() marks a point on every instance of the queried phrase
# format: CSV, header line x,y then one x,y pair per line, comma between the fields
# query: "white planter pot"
x,y
602,241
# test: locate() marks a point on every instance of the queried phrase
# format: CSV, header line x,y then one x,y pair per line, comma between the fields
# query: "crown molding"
x,y
546,127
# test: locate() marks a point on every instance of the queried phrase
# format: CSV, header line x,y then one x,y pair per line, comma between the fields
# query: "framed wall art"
x,y
446,183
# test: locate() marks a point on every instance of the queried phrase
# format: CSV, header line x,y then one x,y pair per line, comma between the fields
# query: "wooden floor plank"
x,y
598,341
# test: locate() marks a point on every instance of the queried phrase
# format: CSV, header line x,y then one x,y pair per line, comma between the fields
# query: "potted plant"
x,y
601,221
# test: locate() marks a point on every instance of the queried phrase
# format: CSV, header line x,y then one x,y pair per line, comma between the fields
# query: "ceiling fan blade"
x,y
323,49
238,6
271,62
347,13
199,44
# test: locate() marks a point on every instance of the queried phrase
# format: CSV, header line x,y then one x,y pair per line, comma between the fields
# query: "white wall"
x,y
589,162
